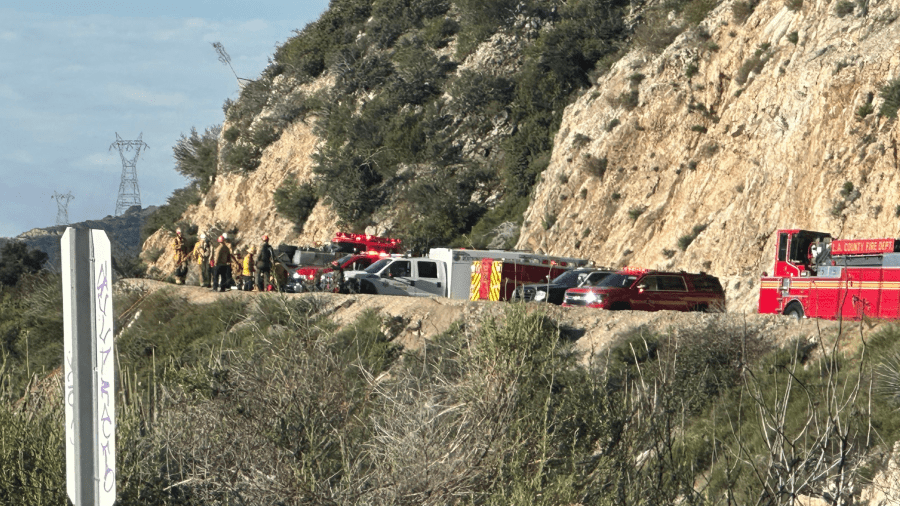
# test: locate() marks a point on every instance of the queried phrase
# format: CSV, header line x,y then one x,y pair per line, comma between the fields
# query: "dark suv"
x,y
554,291
646,290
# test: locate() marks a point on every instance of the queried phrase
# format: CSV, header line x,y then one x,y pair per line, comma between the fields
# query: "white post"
x,y
89,368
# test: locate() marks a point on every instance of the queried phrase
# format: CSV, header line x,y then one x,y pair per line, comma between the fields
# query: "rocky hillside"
x,y
682,155
737,129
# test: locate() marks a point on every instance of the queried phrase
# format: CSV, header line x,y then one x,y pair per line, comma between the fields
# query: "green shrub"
x,y
686,240
793,37
628,99
197,157
753,64
580,140
437,33
636,78
691,70
668,253
699,129
473,91
264,133
613,124
242,157
846,189
231,134
635,212
549,221
656,33
837,208
844,7
695,11
595,166
294,201
742,9
17,260
890,93
793,5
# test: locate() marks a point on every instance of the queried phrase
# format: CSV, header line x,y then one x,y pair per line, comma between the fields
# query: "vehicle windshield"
x,y
343,260
594,278
566,278
377,266
616,281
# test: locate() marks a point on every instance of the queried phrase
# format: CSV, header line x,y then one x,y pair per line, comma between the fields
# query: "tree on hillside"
x,y
15,260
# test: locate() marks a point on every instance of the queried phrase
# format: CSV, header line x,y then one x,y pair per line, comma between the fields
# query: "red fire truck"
x,y
820,277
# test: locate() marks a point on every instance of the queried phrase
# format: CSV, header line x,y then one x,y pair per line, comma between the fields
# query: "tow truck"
x,y
817,276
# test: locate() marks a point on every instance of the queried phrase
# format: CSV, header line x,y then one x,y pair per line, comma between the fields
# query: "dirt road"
x,y
411,320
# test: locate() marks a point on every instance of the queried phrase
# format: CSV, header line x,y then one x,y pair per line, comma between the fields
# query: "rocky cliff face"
x,y
733,136
242,203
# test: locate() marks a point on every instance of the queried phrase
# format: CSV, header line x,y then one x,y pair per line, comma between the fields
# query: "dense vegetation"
x,y
269,403
17,260
442,113
409,135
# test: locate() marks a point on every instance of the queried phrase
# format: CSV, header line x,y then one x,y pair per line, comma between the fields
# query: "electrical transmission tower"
x,y
129,194
62,204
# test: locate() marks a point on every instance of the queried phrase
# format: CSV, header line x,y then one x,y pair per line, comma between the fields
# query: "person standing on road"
x,y
264,262
337,277
279,276
249,269
202,252
180,253
220,273
236,269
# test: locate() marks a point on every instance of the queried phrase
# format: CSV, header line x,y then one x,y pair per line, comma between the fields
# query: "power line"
x,y
129,194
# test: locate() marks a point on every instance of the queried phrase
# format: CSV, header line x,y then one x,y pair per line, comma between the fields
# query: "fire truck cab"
x,y
820,277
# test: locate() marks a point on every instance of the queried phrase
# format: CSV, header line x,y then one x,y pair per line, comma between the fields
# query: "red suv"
x,y
646,290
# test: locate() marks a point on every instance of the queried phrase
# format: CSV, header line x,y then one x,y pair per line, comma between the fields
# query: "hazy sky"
x,y
75,73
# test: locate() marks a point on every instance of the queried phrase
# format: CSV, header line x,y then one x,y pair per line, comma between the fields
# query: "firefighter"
x,y
264,262
279,276
202,252
249,269
220,273
180,253
337,277
236,263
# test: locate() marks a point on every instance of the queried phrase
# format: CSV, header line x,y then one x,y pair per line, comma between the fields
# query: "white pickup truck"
x,y
445,272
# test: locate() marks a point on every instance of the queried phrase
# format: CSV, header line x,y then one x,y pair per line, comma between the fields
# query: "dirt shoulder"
x,y
411,320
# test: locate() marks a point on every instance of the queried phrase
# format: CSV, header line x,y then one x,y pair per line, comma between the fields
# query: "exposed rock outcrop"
x,y
729,139
244,201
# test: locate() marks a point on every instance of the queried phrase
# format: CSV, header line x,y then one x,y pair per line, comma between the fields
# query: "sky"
x,y
73,74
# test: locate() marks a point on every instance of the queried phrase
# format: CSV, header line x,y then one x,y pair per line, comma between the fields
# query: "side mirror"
x,y
641,287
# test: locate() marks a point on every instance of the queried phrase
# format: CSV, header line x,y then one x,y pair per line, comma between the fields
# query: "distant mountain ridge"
x,y
124,234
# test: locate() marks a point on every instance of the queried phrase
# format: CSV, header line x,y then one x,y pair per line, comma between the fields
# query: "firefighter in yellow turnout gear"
x,y
249,269
180,254
202,251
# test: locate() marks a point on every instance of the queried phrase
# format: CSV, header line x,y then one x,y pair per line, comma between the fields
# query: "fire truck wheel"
x,y
794,310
